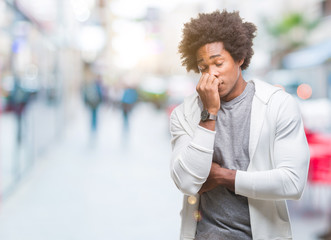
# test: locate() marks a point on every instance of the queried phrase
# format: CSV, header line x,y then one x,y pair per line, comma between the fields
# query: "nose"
x,y
213,71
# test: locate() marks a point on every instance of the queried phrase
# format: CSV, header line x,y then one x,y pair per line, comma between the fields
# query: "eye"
x,y
218,64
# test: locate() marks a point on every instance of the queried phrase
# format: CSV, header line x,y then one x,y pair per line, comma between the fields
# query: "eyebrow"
x,y
211,57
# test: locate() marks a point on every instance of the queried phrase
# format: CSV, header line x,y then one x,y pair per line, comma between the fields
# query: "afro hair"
x,y
229,28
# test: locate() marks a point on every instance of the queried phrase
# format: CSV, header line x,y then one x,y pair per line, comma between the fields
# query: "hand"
x,y
208,92
219,176
212,180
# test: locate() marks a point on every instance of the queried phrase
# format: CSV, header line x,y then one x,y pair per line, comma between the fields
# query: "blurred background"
x,y
86,90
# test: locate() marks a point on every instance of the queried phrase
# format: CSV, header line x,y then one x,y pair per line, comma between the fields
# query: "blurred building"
x,y
303,68
42,52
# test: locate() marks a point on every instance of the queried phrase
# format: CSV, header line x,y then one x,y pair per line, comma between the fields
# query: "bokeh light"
x,y
192,200
197,216
304,91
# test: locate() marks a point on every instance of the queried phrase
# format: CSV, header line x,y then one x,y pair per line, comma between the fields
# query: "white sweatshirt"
x,y
279,159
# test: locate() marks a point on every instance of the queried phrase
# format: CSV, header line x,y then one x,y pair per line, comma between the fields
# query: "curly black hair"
x,y
229,28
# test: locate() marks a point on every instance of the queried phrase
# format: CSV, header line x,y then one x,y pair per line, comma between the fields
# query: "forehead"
x,y
210,49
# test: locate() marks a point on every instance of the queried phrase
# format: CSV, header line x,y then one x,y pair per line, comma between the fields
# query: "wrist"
x,y
227,178
213,111
209,124
206,115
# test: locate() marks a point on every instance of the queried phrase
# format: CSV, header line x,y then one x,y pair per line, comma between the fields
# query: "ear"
x,y
241,62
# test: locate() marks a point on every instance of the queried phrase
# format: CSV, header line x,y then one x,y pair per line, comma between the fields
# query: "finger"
x,y
202,82
216,82
210,79
210,82
204,79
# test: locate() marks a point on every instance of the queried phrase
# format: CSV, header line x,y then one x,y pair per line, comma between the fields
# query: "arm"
x,y
192,155
290,157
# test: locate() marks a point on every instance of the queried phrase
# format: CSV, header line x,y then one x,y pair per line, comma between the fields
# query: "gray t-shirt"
x,y
225,215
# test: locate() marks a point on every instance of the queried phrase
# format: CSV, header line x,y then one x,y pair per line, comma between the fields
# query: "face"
x,y
213,59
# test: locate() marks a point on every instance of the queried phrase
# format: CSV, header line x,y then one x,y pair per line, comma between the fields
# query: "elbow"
x,y
189,189
295,194
186,185
295,187
187,181
300,189
298,179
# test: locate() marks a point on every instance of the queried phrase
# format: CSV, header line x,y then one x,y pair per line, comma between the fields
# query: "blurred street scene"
x,y
86,90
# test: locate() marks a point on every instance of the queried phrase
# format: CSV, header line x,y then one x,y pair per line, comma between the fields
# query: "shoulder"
x,y
264,91
283,99
280,104
284,106
273,96
188,106
186,116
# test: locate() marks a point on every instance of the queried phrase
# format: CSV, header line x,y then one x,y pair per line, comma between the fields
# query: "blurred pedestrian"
x,y
18,99
239,149
129,99
93,96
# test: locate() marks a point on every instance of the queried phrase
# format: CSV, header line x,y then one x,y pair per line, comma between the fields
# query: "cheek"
x,y
234,74
229,74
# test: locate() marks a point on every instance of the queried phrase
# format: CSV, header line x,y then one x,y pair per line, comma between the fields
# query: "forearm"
x,y
191,160
273,184
276,184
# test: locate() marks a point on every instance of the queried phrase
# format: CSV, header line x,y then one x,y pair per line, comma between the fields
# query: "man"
x,y
239,148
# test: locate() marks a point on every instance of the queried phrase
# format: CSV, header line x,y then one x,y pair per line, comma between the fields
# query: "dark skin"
x,y
221,80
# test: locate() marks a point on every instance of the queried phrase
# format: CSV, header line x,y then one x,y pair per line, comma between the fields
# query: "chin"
x,y
223,95
221,92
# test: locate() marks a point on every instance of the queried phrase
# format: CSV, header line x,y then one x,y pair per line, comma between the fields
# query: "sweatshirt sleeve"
x,y
191,155
290,156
